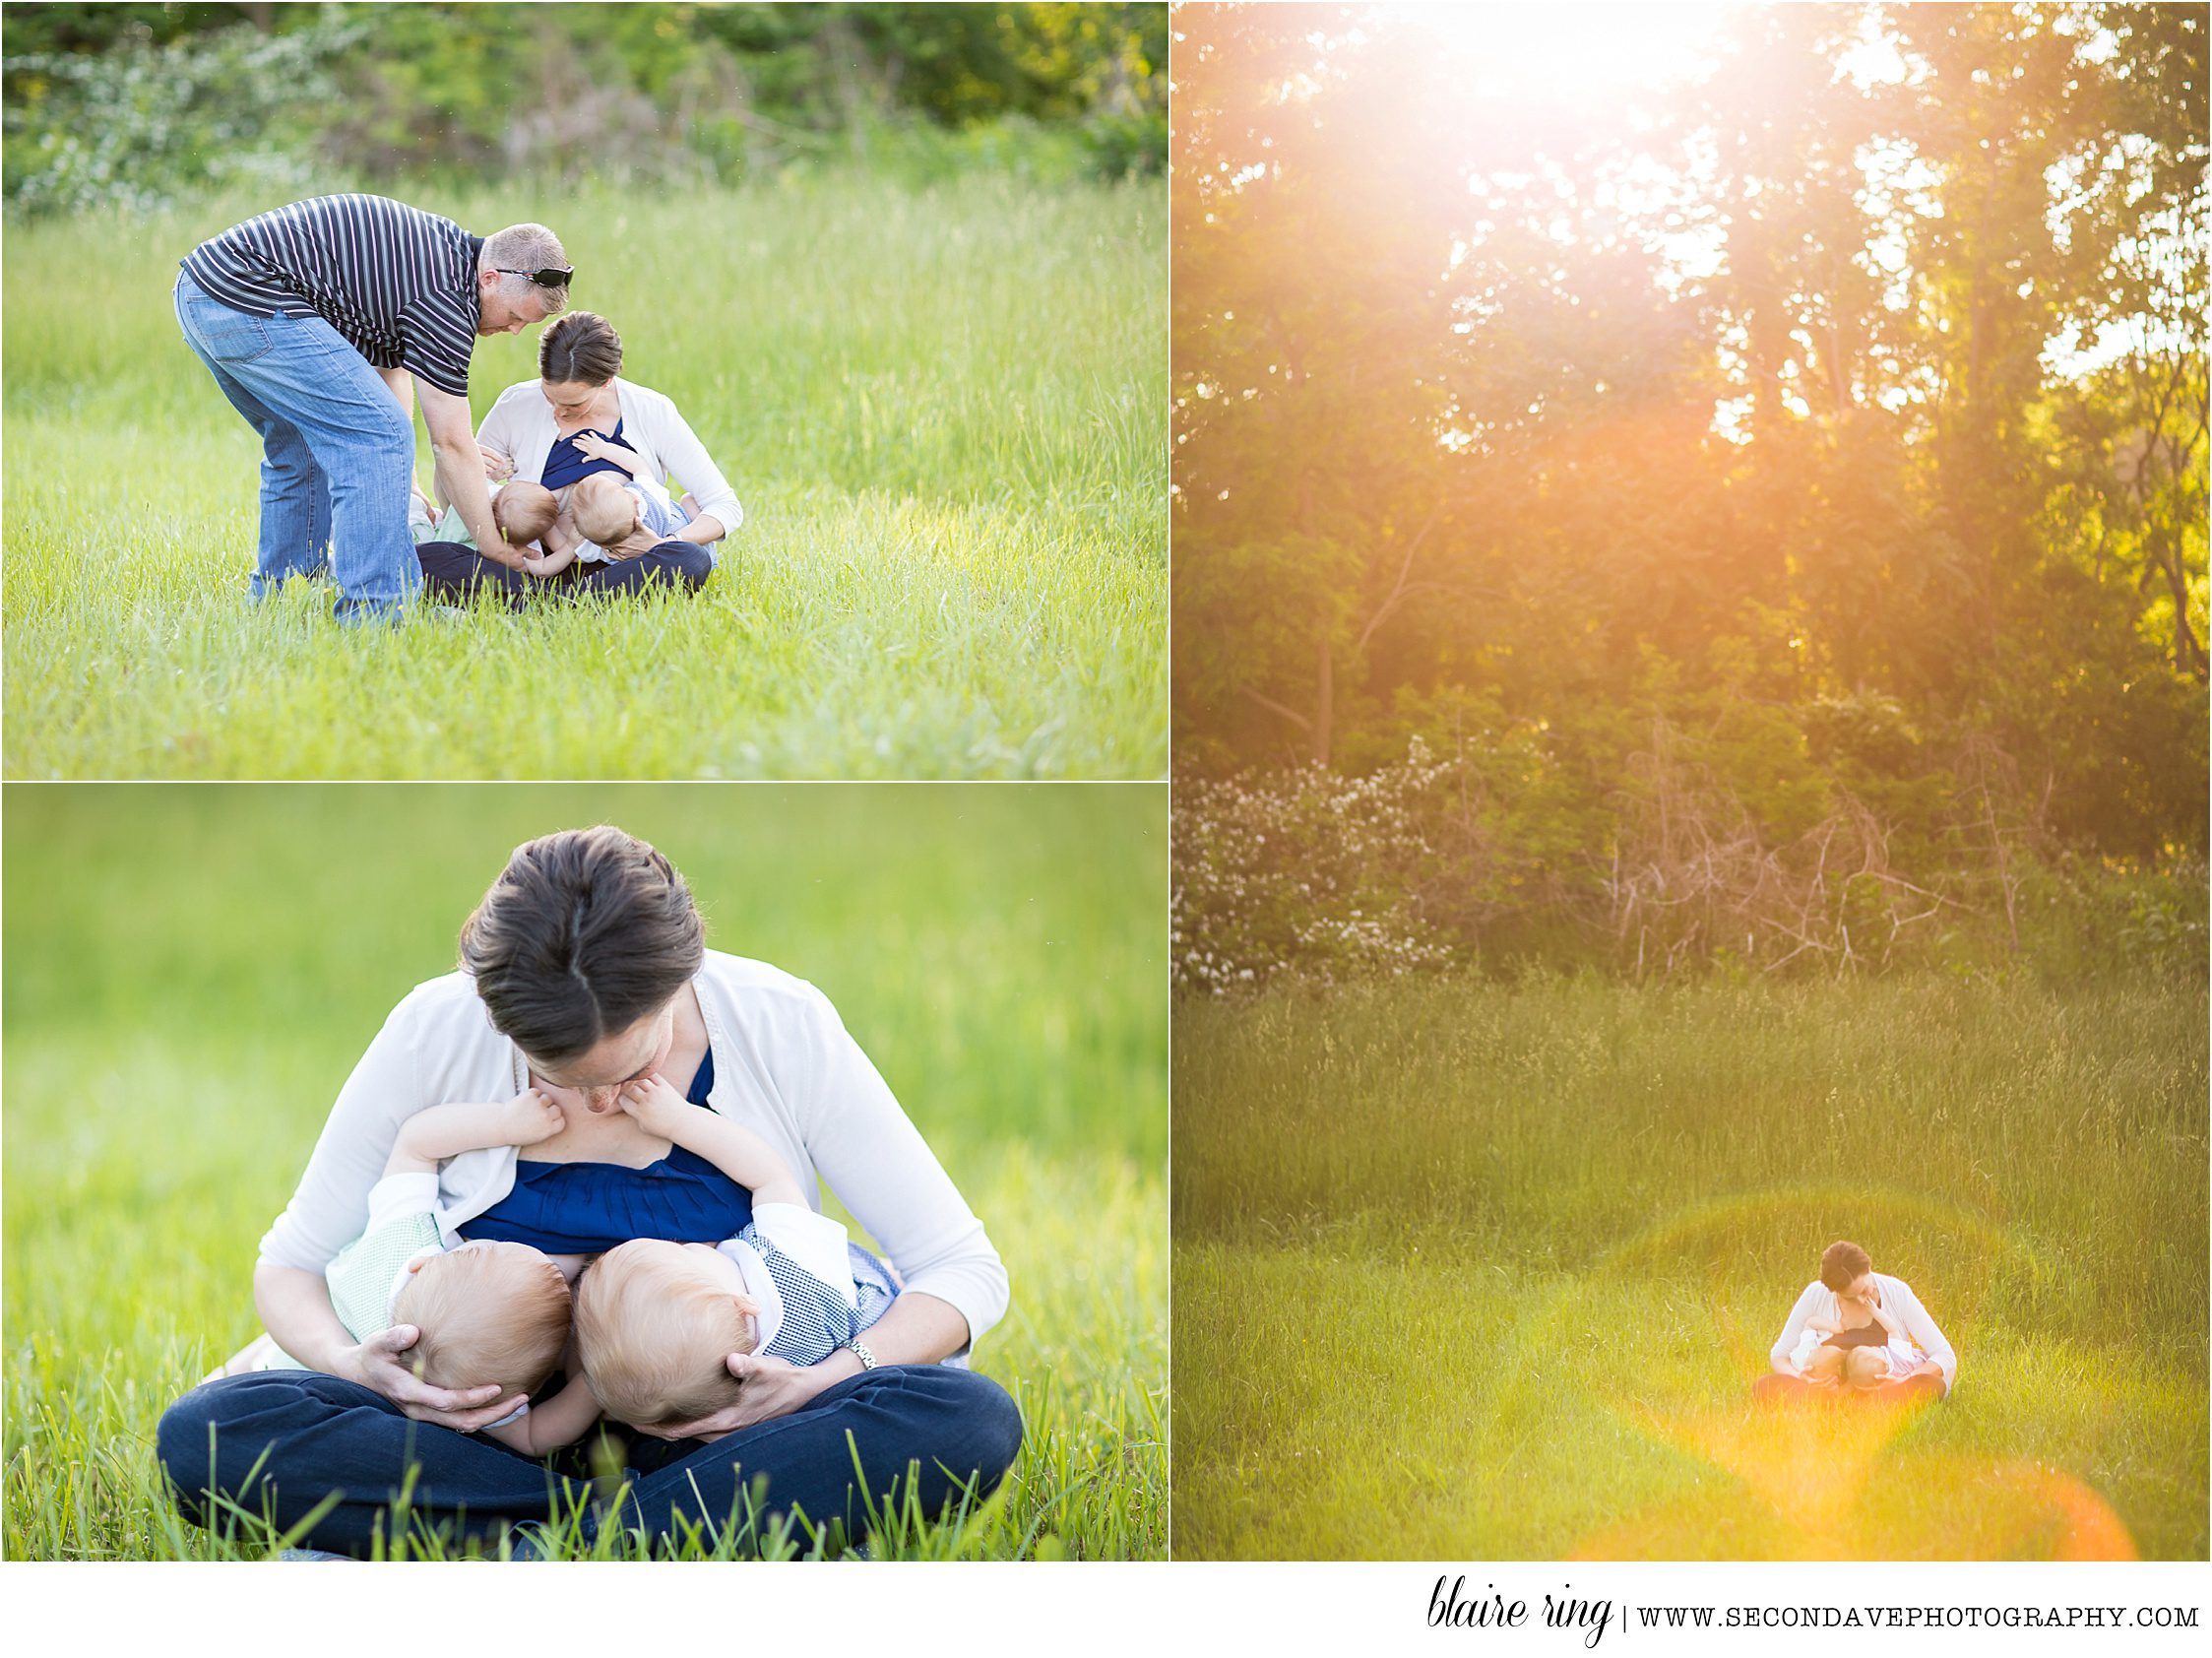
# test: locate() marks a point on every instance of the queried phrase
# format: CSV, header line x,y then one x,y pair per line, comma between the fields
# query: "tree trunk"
x,y
2188,651
1324,696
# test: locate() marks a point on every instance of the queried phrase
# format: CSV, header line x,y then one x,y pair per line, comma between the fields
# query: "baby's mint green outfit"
x,y
362,1277
446,527
366,1275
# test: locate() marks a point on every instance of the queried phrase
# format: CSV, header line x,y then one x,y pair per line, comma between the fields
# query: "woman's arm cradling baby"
x,y
295,1305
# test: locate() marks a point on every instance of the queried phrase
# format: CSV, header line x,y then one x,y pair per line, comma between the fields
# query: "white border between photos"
x,y
630,1611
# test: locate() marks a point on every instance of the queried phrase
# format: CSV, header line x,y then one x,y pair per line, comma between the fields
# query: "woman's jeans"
x,y
282,1443
453,571
337,451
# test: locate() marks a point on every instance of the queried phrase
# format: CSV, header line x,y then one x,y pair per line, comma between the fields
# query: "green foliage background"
x,y
135,103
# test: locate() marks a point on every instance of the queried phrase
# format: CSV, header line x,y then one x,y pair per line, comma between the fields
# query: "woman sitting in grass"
x,y
584,971
1857,1331
579,419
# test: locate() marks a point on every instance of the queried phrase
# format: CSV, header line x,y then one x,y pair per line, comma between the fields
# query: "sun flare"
x,y
1579,55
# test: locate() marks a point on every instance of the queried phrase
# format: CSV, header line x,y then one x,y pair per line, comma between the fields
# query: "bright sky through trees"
x,y
1800,408
1585,56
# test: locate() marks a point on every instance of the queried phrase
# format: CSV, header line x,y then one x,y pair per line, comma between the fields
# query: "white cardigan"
x,y
785,1067
1798,1340
520,427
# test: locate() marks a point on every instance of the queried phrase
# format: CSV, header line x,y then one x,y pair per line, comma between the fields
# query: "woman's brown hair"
x,y
580,346
584,933
1842,1264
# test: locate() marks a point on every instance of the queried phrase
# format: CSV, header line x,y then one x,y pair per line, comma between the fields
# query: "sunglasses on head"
x,y
552,276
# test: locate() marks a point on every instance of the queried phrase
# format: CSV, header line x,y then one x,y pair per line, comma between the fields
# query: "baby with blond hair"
x,y
656,1320
486,1311
620,520
524,511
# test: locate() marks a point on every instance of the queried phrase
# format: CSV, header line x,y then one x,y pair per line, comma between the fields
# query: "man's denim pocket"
x,y
220,334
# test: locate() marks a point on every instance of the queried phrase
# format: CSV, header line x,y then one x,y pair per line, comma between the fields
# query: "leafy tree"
x,y
1805,458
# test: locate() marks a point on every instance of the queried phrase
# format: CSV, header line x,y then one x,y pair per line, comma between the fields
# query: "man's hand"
x,y
461,471
381,1365
770,1388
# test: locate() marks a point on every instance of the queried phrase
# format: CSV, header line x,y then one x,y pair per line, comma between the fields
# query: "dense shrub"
x,y
131,106
1490,857
1303,870
135,126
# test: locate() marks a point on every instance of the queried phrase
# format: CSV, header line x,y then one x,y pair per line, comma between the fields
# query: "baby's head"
x,y
487,1313
1843,1265
653,1322
603,510
524,511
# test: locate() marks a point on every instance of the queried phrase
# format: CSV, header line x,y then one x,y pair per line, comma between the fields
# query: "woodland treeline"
x,y
1775,505
131,103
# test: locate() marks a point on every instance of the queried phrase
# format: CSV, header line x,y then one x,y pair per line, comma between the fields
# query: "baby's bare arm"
x,y
560,542
550,563
743,1156
621,454
428,1137
737,1152
560,1420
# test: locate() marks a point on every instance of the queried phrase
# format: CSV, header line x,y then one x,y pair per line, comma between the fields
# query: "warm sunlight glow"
x,y
1579,55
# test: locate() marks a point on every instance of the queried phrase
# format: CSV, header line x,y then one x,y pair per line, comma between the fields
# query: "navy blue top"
x,y
565,463
588,1208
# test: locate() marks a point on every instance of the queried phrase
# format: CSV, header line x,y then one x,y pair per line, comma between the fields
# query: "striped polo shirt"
x,y
399,284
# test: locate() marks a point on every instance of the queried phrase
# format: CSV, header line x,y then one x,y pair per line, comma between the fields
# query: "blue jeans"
x,y
337,451
283,1442
451,570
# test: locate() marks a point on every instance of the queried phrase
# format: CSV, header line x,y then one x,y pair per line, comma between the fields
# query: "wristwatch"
x,y
861,1353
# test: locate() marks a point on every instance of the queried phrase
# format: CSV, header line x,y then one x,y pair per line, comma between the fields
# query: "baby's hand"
x,y
498,468
604,449
657,1107
529,1116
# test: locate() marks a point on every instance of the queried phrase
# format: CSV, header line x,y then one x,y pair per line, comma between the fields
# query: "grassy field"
x,y
192,972
944,413
1472,1272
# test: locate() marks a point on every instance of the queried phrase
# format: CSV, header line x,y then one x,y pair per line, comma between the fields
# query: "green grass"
x,y
1473,1272
193,970
944,412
